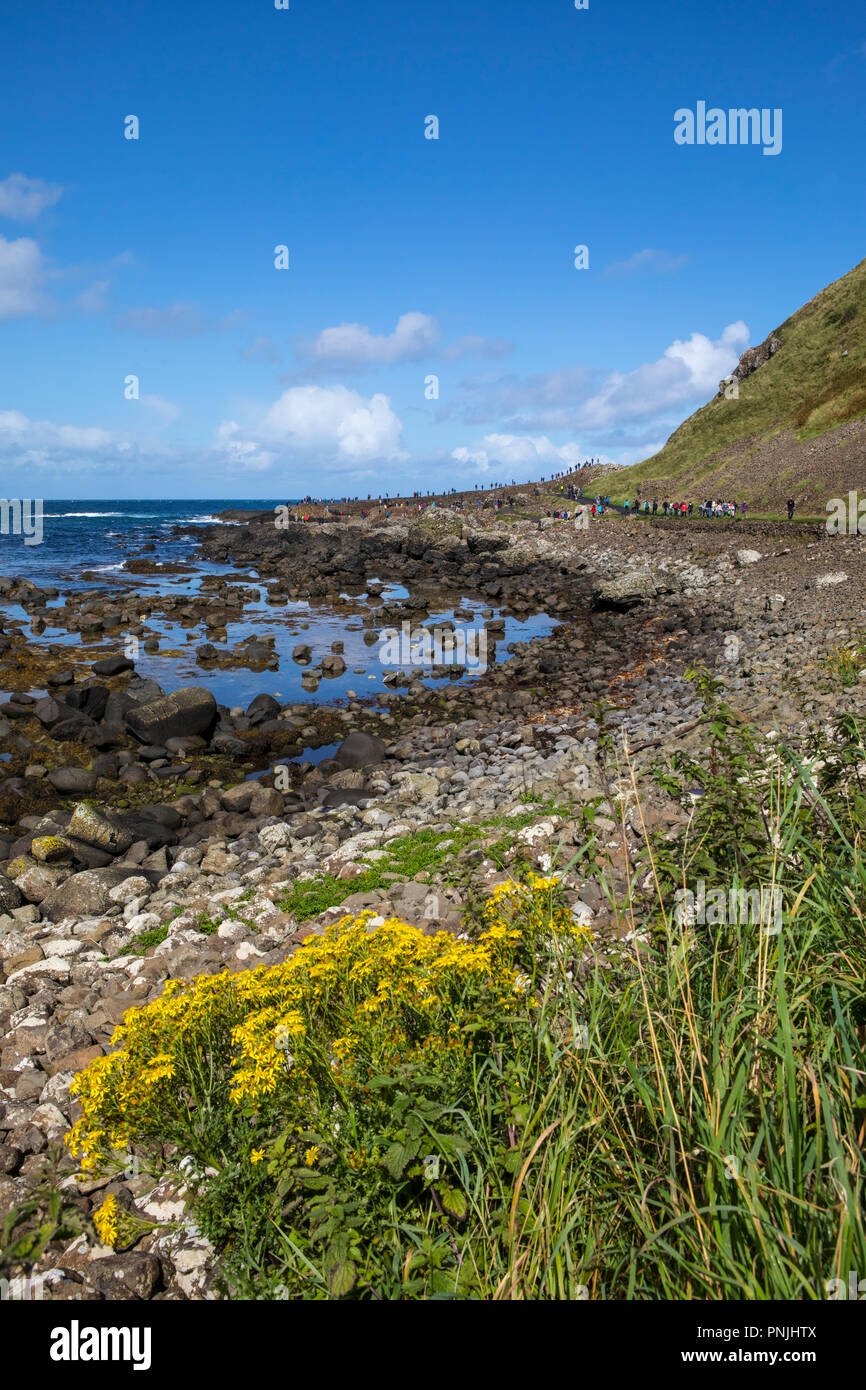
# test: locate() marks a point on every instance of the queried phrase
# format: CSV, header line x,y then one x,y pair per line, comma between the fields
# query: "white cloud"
x,y
416,336
688,371
335,420
520,451
240,452
353,343
40,442
23,199
655,262
22,274
330,425
575,399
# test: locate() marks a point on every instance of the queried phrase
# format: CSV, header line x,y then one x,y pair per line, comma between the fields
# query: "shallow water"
x,y
96,538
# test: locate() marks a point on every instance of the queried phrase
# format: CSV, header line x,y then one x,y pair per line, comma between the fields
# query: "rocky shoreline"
x,y
146,837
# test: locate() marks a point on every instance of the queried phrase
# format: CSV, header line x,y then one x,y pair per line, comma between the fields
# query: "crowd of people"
x,y
563,483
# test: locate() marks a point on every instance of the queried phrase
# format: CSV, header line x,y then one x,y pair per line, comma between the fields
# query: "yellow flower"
x,y
107,1221
311,1155
355,999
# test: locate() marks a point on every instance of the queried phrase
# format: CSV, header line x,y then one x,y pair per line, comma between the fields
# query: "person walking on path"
x,y
790,504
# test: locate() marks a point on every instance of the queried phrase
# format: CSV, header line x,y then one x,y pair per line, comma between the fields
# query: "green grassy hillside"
x,y
814,382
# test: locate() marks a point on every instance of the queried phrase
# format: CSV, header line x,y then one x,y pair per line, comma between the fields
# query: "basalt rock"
x,y
87,894
360,750
191,710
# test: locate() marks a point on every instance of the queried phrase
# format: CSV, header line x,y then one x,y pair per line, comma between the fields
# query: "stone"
x,y
74,1061
238,798
85,894
274,837
190,710
134,1275
49,711
266,801
89,699
36,881
72,779
93,828
360,750
51,849
10,895
748,557
112,666
626,591
435,527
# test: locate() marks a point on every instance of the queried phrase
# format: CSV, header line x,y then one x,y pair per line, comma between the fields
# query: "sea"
x,y
95,539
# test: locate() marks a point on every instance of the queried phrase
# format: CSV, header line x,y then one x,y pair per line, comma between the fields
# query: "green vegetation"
x,y
411,855
143,943
808,386
845,663
396,1116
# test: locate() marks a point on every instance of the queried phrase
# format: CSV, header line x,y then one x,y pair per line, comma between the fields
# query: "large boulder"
x,y
486,541
434,528
112,666
87,894
629,590
359,750
94,828
50,711
72,779
189,711
89,699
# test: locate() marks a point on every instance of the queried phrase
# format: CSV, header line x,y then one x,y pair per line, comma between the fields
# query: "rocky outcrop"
x,y
751,360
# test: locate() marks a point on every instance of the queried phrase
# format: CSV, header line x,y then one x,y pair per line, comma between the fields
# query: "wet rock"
x,y
50,711
191,710
112,666
67,730
360,750
89,699
263,707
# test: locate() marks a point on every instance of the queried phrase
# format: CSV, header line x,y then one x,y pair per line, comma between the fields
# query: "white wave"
x,y
60,514
101,569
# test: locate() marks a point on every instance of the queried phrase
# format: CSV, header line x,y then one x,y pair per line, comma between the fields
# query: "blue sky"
x,y
408,257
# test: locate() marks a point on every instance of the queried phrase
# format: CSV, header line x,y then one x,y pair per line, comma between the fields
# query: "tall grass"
x,y
680,1114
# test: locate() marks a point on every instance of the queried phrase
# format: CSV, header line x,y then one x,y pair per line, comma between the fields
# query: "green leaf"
x,y
341,1278
398,1157
453,1200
